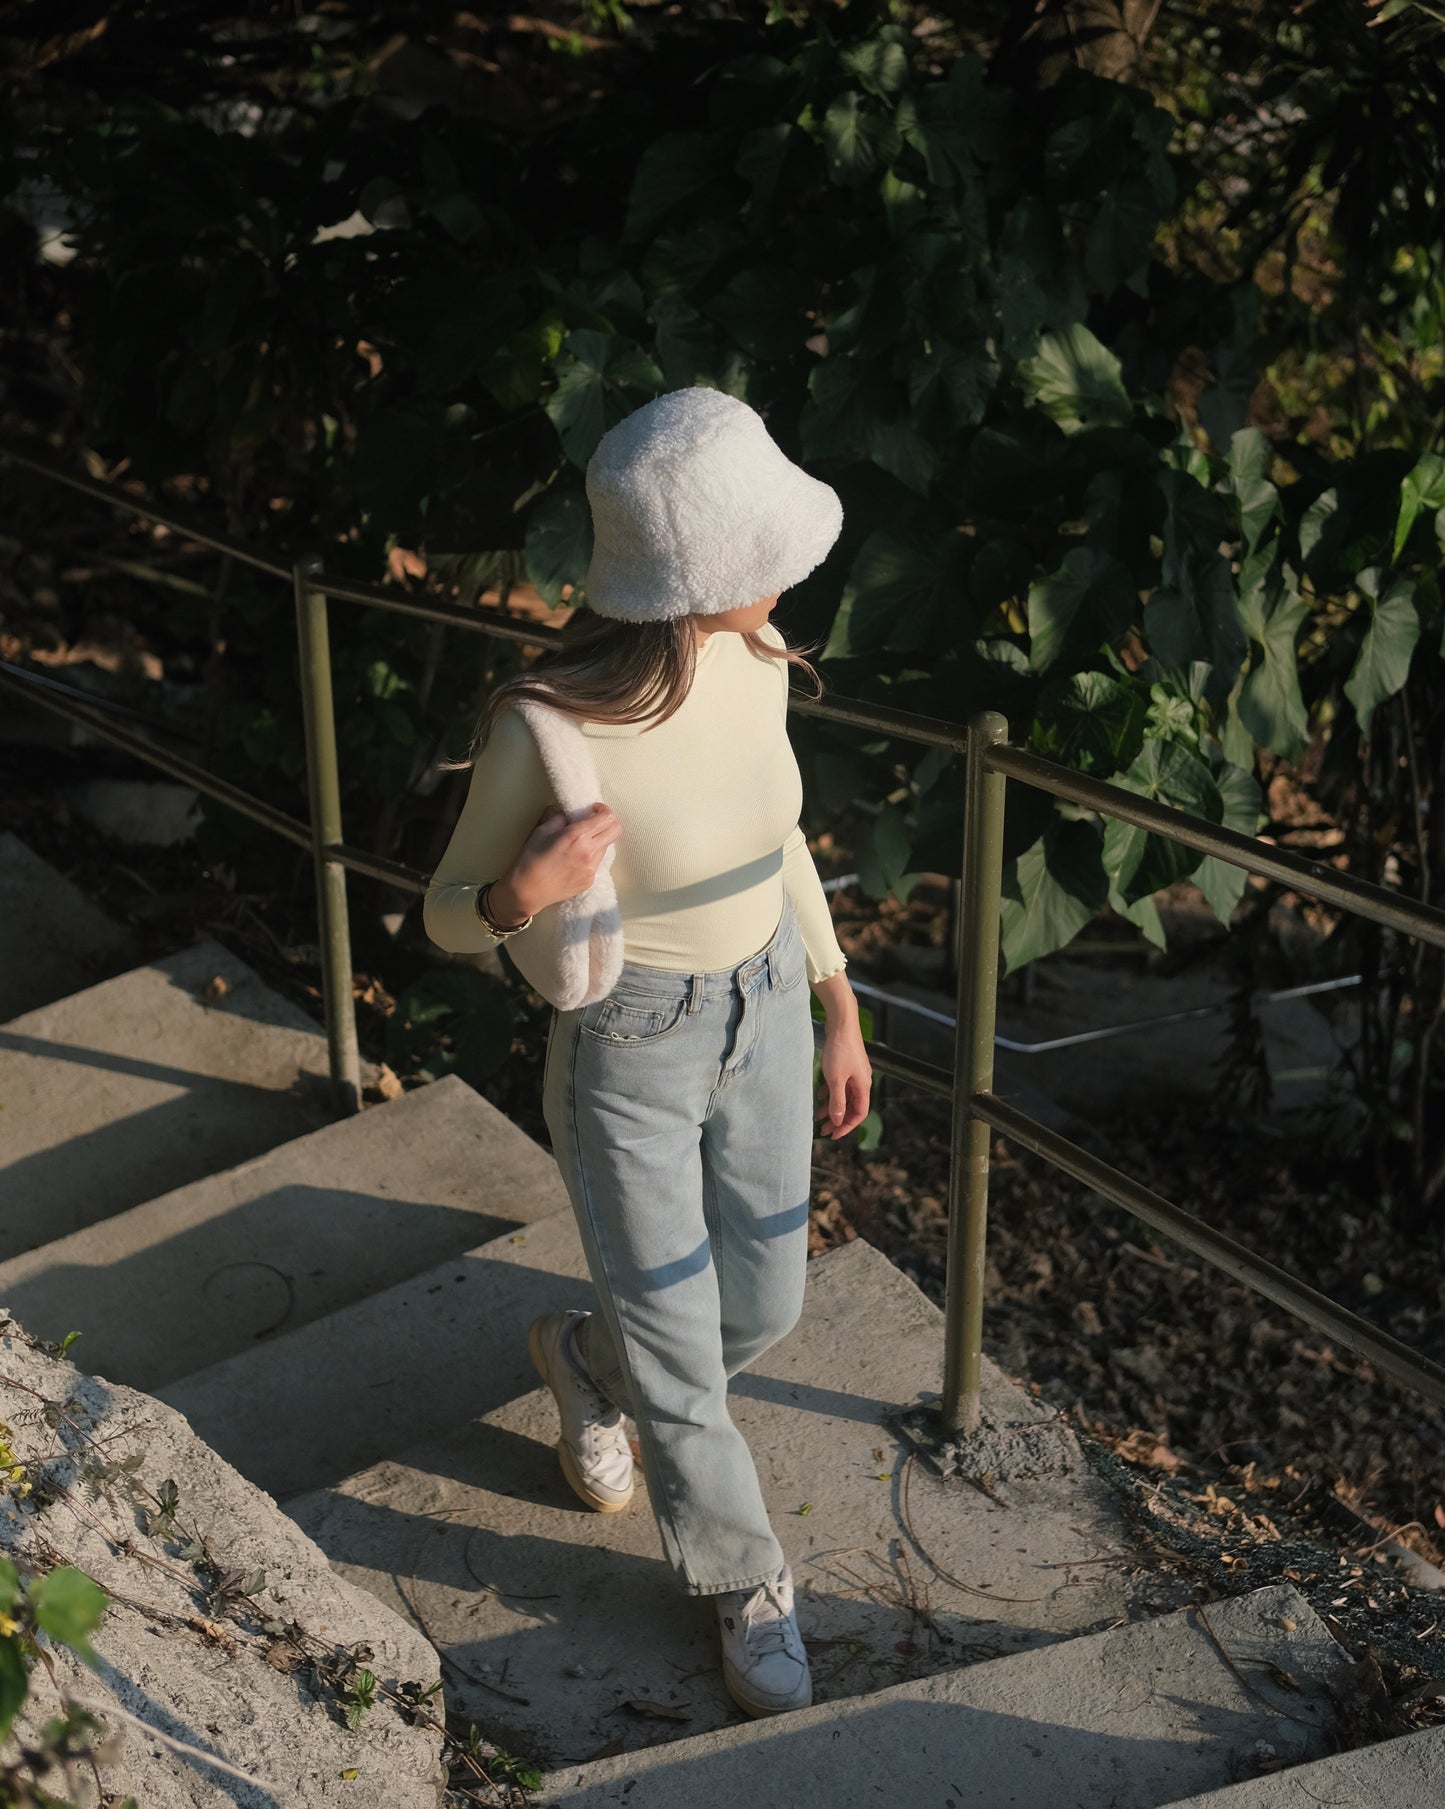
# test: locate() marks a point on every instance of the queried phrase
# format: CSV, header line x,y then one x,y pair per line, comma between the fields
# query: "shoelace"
x,y
770,1635
597,1409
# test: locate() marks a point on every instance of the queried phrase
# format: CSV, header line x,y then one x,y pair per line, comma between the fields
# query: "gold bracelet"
x,y
497,931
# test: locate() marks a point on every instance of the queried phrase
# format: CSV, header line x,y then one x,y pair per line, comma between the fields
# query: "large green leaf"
x,y
1383,662
1076,380
1250,456
847,397
1090,599
673,169
883,855
68,1605
854,406
1423,488
762,153
1050,892
895,594
879,61
1196,618
1195,520
898,447
931,120
750,88
905,204
1142,911
515,366
1121,236
1314,527
1137,862
859,140
559,543
14,1682
992,115
1192,615
601,377
685,342
1270,705
762,308
949,386
1221,882
937,274
687,254
1091,723
470,1010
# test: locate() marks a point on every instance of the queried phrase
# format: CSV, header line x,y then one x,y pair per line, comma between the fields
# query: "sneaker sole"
x,y
758,1710
601,1504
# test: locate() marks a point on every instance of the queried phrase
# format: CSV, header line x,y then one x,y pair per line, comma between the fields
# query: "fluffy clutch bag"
x,y
571,951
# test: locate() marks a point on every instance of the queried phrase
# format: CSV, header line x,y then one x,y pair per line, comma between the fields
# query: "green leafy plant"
x,y
966,303
65,1605
451,1021
358,1696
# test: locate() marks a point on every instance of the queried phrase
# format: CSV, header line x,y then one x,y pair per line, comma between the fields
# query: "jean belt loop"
x,y
694,1000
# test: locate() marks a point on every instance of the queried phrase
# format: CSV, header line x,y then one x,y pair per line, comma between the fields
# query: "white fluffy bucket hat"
x,y
697,509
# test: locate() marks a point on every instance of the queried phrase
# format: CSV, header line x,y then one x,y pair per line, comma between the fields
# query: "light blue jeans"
x,y
681,1116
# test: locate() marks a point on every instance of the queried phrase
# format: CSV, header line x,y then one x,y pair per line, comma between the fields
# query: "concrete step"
x,y
1404,1773
410,1362
53,940
147,1082
1122,1719
314,1224
552,1618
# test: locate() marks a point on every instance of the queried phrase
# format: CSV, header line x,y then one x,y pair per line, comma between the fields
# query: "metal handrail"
x,y
117,498
988,761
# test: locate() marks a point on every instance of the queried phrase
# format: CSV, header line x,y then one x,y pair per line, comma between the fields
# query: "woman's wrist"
x,y
504,905
836,995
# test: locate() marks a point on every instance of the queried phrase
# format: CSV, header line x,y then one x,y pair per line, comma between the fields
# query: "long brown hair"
x,y
610,670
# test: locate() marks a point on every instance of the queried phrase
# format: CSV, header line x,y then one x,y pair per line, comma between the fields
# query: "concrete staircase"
x,y
339,1308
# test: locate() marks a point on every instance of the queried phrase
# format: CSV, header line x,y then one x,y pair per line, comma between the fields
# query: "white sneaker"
x,y
765,1666
596,1457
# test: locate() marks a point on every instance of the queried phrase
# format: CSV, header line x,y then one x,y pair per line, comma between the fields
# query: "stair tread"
x,y
194,1275
406,1363
145,1082
438,1528
53,939
1407,1772
1124,1717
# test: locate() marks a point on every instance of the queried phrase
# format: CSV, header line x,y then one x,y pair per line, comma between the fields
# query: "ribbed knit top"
x,y
708,806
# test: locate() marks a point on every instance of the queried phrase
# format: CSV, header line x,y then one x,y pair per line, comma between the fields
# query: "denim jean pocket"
x,y
628,1022
792,964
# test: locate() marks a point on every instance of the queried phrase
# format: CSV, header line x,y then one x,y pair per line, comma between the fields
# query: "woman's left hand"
x,y
847,1075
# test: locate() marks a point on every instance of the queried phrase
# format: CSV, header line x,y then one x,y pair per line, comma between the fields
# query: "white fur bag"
x,y
571,952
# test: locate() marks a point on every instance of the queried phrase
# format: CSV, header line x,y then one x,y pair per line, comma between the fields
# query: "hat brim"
x,y
617,586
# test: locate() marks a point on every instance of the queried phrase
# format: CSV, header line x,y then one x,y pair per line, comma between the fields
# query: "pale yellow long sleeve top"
x,y
708,806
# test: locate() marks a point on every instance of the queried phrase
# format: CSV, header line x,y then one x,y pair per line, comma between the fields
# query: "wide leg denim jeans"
x,y
681,1116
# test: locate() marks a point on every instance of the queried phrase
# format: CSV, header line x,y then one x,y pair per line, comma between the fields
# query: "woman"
x,y
679,1105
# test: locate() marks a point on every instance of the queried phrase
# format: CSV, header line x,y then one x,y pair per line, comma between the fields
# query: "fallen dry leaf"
x,y
387,1084
655,1711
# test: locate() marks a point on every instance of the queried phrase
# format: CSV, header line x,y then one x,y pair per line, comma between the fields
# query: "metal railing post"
x,y
973,1074
324,790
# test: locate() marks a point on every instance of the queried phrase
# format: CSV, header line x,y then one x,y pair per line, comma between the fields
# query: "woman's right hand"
x,y
560,859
